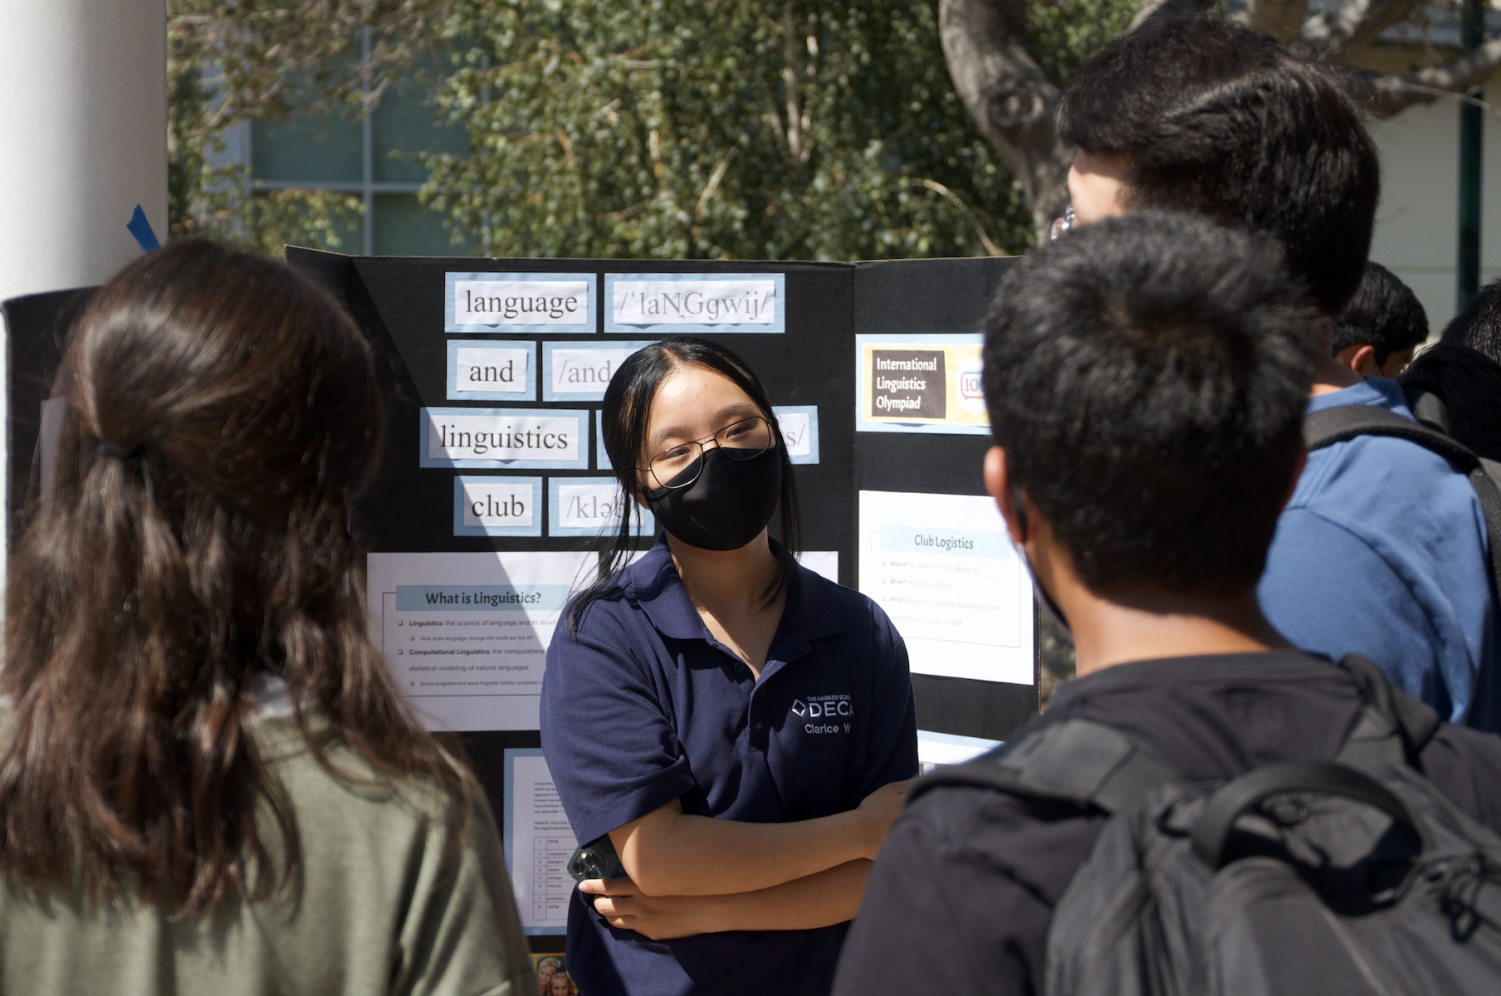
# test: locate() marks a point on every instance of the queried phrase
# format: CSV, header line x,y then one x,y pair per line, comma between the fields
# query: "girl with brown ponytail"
x,y
208,783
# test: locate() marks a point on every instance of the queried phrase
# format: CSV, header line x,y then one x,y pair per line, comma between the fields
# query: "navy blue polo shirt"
x,y
645,706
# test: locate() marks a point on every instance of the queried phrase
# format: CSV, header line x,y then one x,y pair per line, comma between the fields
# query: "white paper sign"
x,y
590,506
795,433
539,843
498,504
496,437
585,371
695,302
824,563
944,570
465,634
521,302
497,370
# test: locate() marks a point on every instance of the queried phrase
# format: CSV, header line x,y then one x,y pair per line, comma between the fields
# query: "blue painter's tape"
x,y
141,229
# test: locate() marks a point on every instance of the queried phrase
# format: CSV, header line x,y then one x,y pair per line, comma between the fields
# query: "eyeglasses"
x,y
680,466
1061,225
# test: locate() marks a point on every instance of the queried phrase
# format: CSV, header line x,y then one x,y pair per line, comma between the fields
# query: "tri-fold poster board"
x,y
495,492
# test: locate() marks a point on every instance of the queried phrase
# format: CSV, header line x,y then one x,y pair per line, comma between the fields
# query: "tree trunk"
x,y
1012,101
1335,32
1282,19
1009,96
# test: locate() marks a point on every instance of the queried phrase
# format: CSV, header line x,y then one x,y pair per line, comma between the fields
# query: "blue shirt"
x,y
1382,552
645,706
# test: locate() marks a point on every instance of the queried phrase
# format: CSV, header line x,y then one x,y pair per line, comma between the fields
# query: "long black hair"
x,y
627,411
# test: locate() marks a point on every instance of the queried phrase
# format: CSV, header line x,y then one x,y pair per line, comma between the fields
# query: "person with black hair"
x,y
1478,325
1381,326
1383,549
735,728
1145,379
1469,384
1202,114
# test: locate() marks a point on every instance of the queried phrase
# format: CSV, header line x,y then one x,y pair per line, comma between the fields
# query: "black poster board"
x,y
918,298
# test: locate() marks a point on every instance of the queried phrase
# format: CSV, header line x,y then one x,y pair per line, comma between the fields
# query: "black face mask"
x,y
1045,601
729,504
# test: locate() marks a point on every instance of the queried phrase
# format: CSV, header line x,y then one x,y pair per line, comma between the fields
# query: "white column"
x,y
83,140
83,125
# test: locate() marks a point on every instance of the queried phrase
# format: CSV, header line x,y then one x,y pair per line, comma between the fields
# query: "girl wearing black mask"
x,y
734,727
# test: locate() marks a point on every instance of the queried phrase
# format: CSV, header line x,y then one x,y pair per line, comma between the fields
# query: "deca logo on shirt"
x,y
824,707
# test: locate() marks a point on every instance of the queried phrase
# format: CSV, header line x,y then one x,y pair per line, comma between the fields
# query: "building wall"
x,y
1417,224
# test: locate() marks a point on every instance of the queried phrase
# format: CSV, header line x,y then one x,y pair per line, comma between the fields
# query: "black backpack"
x,y
1357,876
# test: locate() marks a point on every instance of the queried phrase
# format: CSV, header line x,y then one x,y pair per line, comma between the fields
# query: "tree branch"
x,y
1390,94
792,86
1282,19
1334,33
1008,95
1166,8
958,202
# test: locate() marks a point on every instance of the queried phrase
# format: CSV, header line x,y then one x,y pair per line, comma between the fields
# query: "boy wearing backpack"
x,y
1381,326
1146,379
1384,549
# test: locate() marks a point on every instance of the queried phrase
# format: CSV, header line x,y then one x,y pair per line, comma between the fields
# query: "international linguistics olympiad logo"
x,y
969,385
836,708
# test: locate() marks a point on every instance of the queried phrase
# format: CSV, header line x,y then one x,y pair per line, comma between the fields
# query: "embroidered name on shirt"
x,y
824,707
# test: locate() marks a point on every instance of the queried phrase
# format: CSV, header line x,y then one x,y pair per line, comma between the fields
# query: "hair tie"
x,y
119,452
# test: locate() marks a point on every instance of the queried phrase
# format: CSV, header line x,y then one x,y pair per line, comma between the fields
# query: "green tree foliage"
x,y
750,129
1066,33
233,60
822,129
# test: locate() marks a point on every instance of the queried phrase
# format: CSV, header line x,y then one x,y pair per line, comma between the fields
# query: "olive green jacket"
x,y
371,911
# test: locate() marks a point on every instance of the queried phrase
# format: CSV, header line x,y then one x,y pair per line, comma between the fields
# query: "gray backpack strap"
x,y
1392,726
1072,760
1341,424
1345,422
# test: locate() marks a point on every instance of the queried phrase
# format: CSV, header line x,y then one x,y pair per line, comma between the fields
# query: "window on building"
x,y
374,157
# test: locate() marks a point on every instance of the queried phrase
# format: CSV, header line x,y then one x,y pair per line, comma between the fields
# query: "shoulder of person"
x,y
857,607
405,868
1371,485
608,620
1039,843
342,786
1388,456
